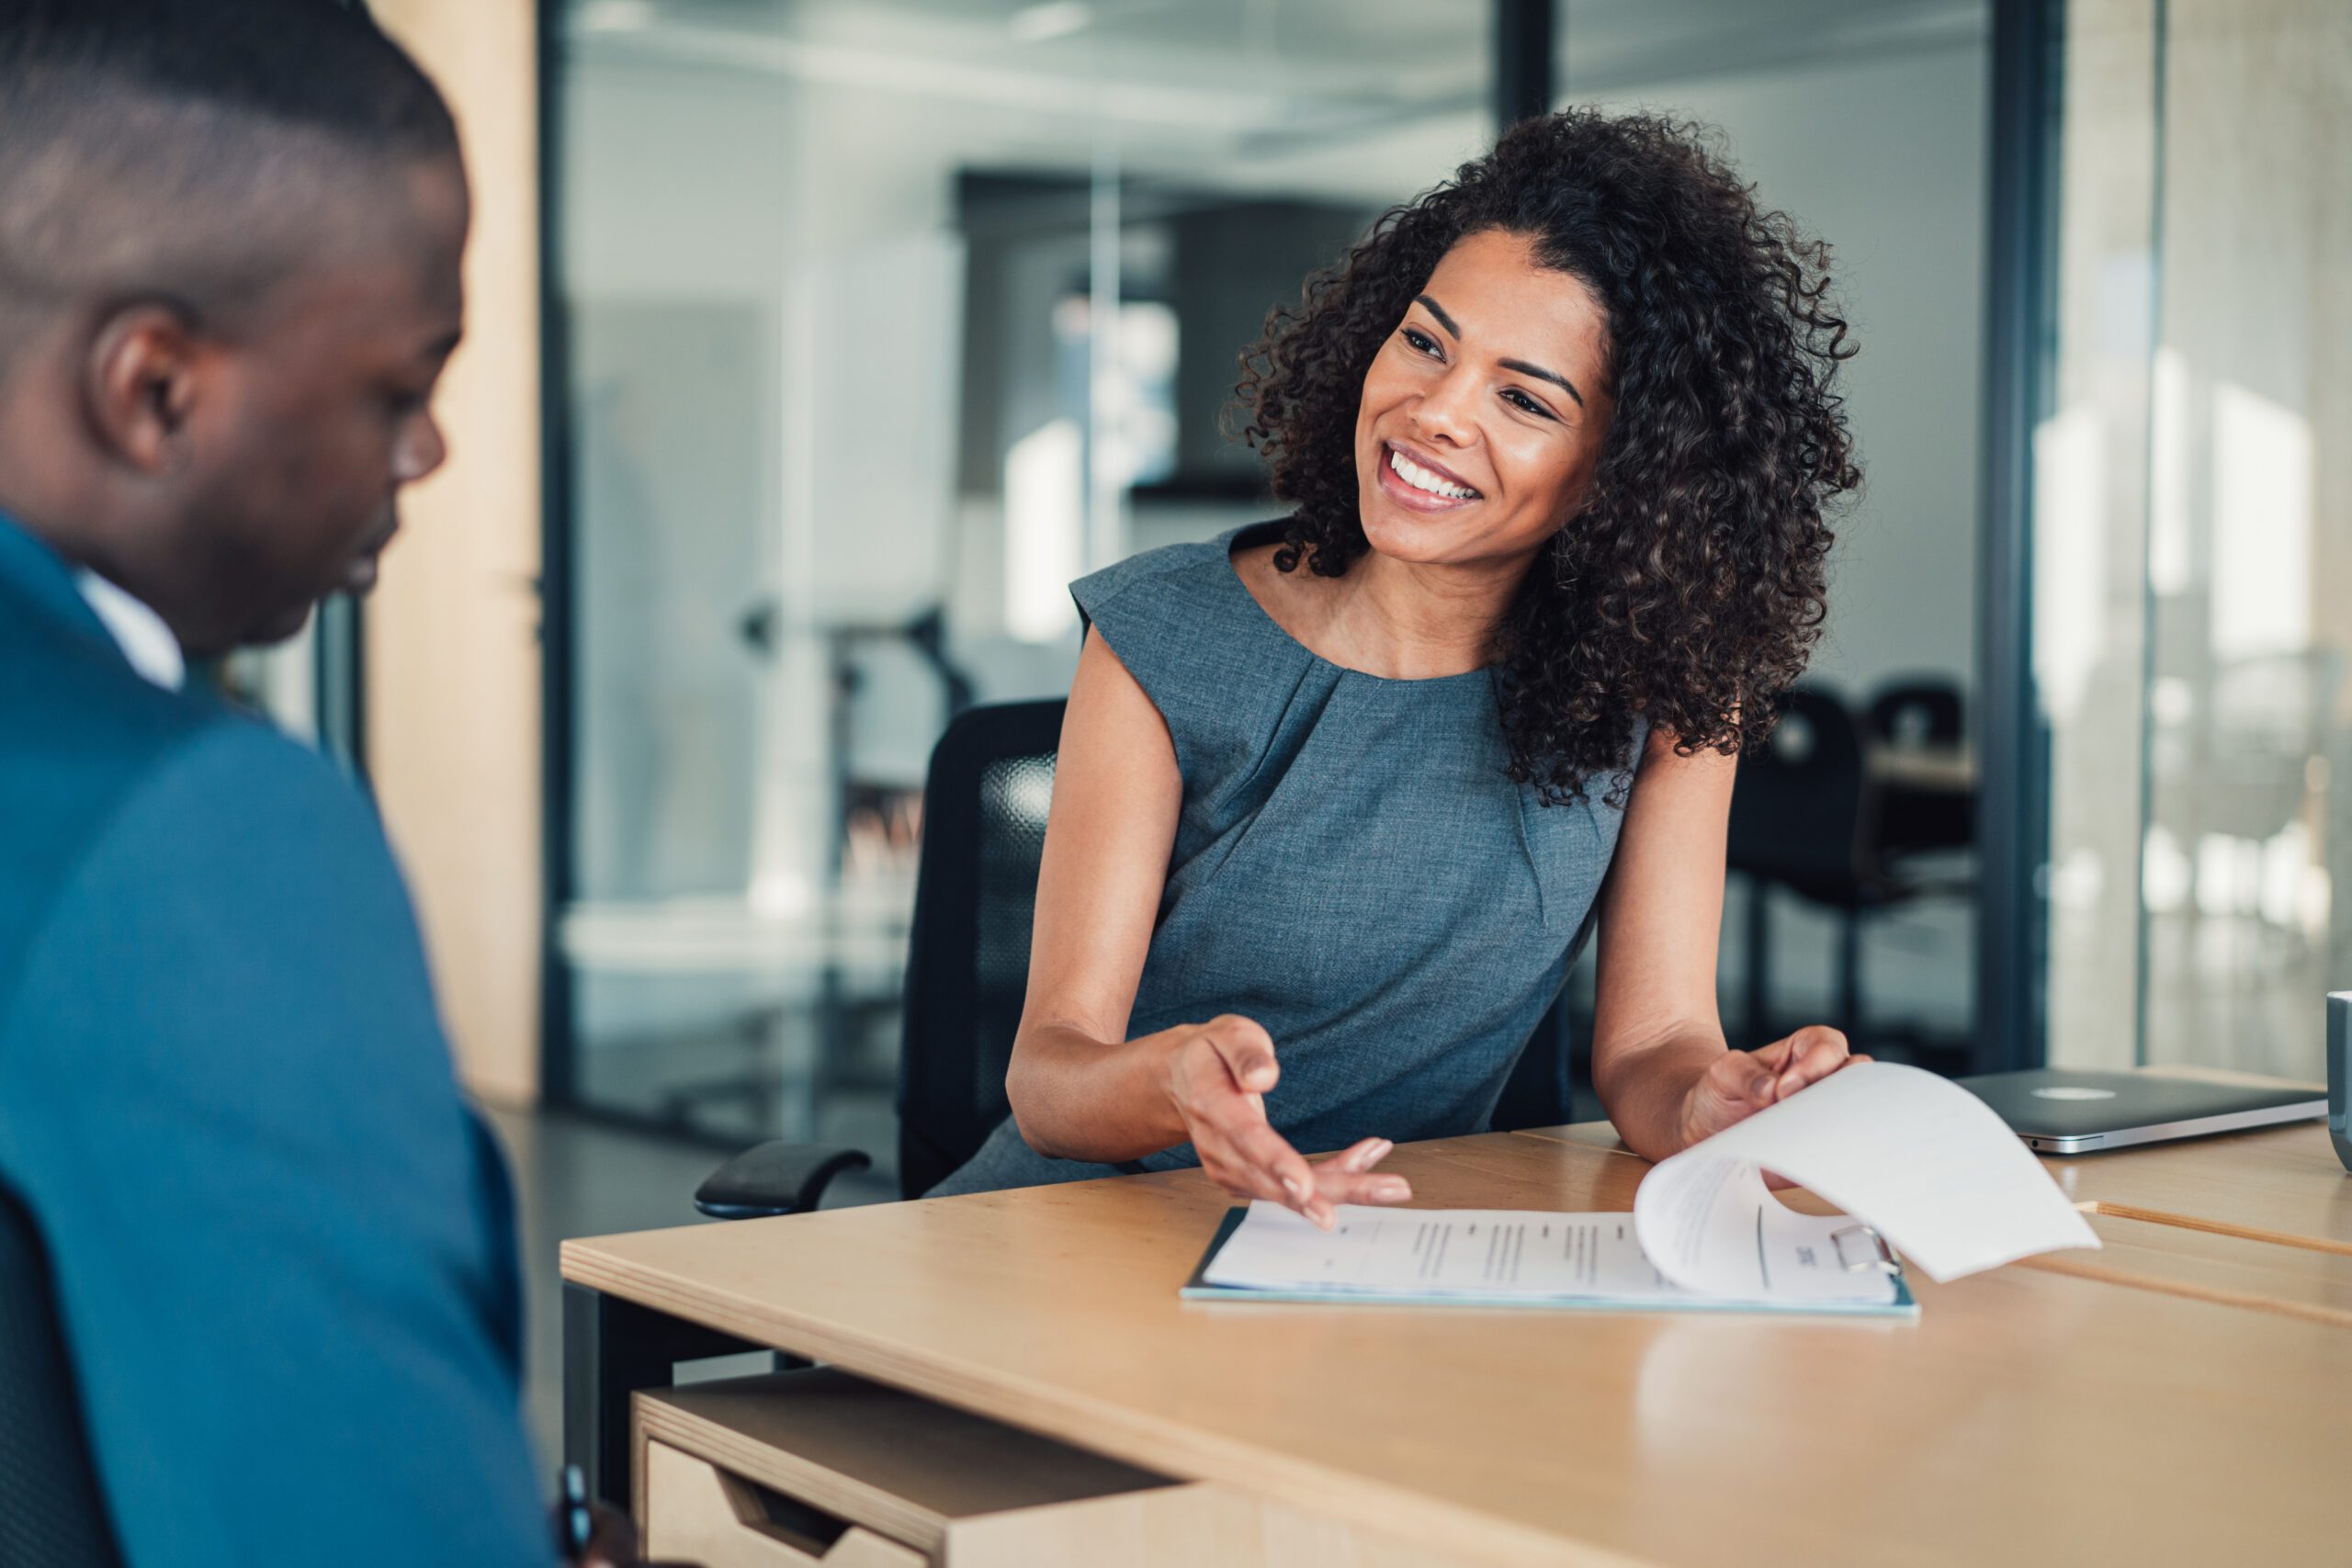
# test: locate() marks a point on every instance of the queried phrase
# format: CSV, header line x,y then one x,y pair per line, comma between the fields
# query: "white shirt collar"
x,y
141,633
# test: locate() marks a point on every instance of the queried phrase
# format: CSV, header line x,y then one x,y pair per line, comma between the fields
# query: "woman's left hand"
x,y
1739,1084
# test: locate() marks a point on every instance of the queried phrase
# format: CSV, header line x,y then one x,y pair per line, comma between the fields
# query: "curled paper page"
x,y
1921,1161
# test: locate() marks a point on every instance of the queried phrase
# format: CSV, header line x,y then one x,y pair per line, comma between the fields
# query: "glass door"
x,y
2192,610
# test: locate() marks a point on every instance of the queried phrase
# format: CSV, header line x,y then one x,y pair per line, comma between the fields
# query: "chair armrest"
x,y
774,1178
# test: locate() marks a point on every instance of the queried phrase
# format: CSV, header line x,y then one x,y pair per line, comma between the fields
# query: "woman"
x,y
1338,797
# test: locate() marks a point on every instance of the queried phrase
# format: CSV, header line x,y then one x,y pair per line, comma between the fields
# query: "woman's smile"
x,y
1420,482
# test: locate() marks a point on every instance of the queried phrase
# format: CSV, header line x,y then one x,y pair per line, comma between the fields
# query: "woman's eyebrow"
x,y
1524,368
1521,365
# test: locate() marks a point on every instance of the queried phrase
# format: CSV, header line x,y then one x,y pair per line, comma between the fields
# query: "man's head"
x,y
230,235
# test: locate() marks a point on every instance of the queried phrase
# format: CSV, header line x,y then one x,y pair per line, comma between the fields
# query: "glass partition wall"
x,y
2192,606
1868,123
884,322
883,319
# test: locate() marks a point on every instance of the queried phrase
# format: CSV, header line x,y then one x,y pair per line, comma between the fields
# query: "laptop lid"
x,y
2063,1111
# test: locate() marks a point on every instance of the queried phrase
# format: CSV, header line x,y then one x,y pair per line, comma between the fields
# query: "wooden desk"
x,y
2026,1408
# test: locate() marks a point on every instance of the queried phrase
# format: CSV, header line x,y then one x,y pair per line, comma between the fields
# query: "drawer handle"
x,y
768,1512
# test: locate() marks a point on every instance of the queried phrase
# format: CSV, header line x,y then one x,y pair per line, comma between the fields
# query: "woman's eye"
x,y
1421,341
1525,404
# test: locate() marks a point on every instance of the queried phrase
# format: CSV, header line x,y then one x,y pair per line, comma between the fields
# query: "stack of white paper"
x,y
1911,1158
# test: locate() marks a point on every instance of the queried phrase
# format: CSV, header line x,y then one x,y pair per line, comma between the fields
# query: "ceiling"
x,y
1172,80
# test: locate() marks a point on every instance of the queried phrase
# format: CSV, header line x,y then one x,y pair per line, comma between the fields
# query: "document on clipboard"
x,y
1920,1167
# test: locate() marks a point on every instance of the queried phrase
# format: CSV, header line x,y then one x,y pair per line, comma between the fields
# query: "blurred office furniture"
x,y
1837,821
985,803
990,785
2240,766
2206,1346
1916,739
874,821
52,1514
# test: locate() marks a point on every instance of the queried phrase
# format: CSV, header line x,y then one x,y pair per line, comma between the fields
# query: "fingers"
x,y
1348,1187
1263,1150
1239,1148
1735,1085
1247,1051
1348,1176
1749,1079
1226,1079
1812,1053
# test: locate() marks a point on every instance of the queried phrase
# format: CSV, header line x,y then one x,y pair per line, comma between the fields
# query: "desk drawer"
x,y
818,1467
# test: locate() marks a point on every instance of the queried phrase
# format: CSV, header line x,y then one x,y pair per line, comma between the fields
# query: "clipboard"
x,y
1859,1248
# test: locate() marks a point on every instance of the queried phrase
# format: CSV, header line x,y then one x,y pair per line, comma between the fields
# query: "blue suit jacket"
x,y
283,1244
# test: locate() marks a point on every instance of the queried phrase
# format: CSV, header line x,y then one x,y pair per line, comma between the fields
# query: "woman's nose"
x,y
1445,413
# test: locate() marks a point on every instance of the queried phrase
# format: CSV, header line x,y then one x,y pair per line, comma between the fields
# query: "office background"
x,y
815,346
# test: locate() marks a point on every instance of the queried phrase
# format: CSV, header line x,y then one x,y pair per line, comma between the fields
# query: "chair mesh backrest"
x,y
1925,711
984,831
51,1513
1795,806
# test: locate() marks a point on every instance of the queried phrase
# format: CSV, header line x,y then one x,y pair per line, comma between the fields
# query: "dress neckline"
x,y
1253,534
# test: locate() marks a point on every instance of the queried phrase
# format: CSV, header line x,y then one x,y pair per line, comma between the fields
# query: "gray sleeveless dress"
x,y
1352,869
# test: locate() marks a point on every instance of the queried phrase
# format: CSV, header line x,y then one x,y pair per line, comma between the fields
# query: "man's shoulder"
x,y
234,910
89,751
72,708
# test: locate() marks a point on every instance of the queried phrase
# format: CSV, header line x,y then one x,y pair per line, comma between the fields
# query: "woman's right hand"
x,y
1218,1076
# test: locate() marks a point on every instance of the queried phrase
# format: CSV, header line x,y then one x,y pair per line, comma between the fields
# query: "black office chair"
x,y
1912,713
1796,823
1916,710
985,802
52,1514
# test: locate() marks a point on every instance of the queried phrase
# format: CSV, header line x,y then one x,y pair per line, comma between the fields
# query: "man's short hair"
x,y
191,150
323,65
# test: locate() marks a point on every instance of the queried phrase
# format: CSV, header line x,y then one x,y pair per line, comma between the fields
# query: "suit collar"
x,y
30,570
141,633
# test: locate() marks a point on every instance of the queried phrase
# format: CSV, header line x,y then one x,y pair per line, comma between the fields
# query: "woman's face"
x,y
1483,416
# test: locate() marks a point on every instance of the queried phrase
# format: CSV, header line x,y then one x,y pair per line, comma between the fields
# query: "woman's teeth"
x,y
1421,479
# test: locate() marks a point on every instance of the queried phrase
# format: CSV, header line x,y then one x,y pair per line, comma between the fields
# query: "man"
x,y
230,235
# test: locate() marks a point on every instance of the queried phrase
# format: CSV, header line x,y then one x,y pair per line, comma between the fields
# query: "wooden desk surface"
x,y
2278,1184
2026,1408
2261,1219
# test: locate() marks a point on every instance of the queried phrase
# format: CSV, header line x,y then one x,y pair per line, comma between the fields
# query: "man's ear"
x,y
140,385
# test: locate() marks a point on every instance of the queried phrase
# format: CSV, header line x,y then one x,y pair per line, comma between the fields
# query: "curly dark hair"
x,y
1691,589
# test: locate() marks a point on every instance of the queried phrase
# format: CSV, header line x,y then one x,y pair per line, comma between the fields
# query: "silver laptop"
x,y
2062,1113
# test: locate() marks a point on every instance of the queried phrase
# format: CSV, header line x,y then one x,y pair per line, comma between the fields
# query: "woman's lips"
x,y
1411,496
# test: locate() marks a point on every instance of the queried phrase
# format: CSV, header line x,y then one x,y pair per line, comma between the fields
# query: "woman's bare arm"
x,y
1658,1058
1079,1089
1076,1093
